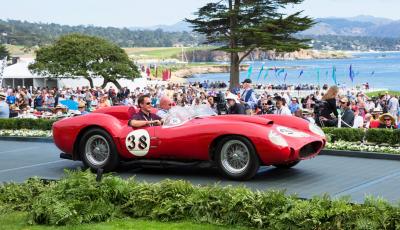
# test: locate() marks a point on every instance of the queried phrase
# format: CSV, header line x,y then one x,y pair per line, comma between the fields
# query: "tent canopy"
x,y
19,70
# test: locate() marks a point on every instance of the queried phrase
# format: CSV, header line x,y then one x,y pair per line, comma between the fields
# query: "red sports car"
x,y
237,144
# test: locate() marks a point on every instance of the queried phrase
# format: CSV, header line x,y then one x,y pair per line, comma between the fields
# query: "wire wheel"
x,y
235,156
97,150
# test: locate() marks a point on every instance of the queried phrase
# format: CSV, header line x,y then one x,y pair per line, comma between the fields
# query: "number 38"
x,y
138,142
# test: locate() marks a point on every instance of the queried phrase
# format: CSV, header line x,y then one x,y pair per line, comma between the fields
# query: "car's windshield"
x,y
178,115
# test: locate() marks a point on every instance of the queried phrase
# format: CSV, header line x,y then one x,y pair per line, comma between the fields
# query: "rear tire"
x,y
236,158
97,150
287,166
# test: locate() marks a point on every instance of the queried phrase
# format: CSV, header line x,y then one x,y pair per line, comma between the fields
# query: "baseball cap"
x,y
247,81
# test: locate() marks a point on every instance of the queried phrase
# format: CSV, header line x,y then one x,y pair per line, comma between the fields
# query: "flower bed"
x,y
25,133
344,145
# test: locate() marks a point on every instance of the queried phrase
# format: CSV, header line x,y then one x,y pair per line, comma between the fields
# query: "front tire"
x,y
236,158
98,150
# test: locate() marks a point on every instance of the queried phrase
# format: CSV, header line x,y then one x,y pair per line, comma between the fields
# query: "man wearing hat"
x,y
347,115
234,107
4,108
387,121
82,108
247,96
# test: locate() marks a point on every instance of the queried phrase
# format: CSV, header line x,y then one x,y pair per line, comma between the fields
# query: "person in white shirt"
x,y
281,108
358,120
393,107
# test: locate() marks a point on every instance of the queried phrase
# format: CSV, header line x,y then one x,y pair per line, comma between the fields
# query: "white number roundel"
x,y
138,142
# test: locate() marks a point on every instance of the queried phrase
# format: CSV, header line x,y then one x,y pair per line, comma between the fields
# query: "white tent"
x,y
19,75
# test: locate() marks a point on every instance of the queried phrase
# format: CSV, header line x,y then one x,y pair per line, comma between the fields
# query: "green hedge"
x,y
380,136
78,198
16,123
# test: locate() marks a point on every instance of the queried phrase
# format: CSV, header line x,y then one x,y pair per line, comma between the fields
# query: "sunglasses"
x,y
264,104
148,103
388,119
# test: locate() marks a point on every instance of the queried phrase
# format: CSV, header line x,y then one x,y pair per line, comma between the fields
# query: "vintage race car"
x,y
236,144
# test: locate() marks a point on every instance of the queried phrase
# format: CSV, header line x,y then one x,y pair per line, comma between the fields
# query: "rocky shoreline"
x,y
192,70
258,55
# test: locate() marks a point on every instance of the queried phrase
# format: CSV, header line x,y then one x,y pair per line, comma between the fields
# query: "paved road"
x,y
338,176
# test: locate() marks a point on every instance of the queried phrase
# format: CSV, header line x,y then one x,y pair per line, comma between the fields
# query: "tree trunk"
x,y
104,83
233,21
90,82
116,83
235,73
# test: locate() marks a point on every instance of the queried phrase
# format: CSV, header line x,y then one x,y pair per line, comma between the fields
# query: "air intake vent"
x,y
310,149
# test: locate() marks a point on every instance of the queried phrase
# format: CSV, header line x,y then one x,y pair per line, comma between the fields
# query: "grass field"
x,y
20,51
161,52
377,93
19,220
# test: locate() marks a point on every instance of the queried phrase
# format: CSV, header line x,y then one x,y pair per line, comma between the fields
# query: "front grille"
x,y
310,149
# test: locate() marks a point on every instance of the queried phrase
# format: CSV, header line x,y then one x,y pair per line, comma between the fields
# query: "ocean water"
x,y
380,70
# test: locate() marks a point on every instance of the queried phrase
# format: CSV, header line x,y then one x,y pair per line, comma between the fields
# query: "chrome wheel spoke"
x,y
235,156
97,150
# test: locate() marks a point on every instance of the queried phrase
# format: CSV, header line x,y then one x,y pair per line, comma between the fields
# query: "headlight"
x,y
317,130
291,132
277,139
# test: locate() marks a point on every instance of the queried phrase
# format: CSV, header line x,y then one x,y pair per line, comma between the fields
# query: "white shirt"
x,y
358,122
283,111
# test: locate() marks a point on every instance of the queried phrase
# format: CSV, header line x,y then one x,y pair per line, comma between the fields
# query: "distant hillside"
x,y
366,26
356,33
32,34
177,27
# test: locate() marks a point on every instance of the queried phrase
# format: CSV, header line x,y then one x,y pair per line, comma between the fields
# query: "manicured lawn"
x,y
18,220
377,93
161,52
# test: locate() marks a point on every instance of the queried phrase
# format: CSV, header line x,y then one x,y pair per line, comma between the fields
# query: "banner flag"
x,y
249,72
334,75
301,73
259,74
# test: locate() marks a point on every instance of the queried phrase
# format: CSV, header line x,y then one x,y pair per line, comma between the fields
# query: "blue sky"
x,y
126,13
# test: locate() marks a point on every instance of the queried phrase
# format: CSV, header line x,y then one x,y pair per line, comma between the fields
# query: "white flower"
x,y
25,133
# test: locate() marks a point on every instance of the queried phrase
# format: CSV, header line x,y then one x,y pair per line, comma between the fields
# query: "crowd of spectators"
x,y
324,106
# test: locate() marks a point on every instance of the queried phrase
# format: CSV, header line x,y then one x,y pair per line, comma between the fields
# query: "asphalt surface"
x,y
337,176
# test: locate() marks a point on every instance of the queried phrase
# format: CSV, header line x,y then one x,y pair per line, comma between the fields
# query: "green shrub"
x,y
382,136
379,136
79,198
345,134
18,197
38,124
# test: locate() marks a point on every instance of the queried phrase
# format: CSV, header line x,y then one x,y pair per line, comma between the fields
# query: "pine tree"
x,y
241,26
4,52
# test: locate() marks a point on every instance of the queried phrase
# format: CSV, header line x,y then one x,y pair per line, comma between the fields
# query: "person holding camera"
x,y
325,108
234,106
267,107
347,120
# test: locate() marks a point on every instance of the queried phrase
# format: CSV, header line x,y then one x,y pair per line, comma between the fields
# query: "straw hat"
x,y
382,117
344,99
81,105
